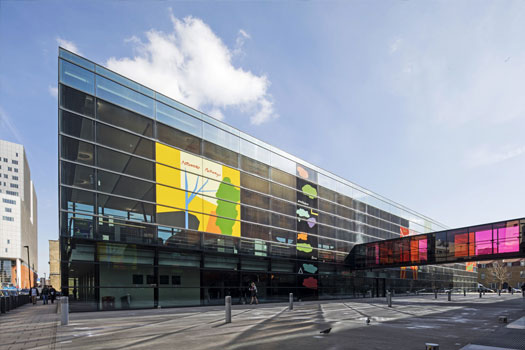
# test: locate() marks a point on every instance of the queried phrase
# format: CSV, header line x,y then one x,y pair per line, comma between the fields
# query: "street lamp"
x,y
28,266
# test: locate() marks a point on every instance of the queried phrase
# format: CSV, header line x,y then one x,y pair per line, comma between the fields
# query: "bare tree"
x,y
499,272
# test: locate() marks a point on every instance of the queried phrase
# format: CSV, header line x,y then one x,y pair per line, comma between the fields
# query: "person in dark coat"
x,y
52,294
45,294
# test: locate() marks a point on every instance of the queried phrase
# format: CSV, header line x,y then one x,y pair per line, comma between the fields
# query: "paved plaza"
x,y
409,324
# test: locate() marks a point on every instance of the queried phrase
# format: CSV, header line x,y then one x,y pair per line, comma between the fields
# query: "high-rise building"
x,y
18,224
162,205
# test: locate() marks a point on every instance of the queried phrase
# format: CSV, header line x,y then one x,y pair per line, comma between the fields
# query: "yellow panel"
x,y
234,175
168,176
167,155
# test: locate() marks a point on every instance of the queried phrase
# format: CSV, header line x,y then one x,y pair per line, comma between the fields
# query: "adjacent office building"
x,y
18,224
162,206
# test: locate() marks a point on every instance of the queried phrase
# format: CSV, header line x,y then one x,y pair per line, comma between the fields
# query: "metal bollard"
x,y
290,305
480,294
2,305
64,311
499,292
435,294
389,299
228,304
464,292
449,295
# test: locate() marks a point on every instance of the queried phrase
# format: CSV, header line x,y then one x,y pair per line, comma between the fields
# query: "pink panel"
x,y
423,250
508,239
484,242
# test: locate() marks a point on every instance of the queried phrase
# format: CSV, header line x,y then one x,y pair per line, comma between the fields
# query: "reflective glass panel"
x,y
77,77
75,125
220,137
179,120
77,101
125,97
124,141
178,139
124,81
123,118
76,59
77,151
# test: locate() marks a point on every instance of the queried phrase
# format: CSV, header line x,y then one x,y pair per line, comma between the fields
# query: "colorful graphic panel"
x,y
202,195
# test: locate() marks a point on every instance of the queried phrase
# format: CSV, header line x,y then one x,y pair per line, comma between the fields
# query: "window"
x,y
522,274
9,168
77,175
77,101
124,141
14,178
16,154
77,151
75,125
175,280
182,121
8,241
8,218
13,185
11,193
16,170
138,279
15,162
522,262
125,119
124,163
178,139
8,201
482,276
220,154
77,77
5,160
125,186
6,176
123,96
164,279
8,210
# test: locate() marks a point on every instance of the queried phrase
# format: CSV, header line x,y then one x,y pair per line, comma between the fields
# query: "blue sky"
x,y
420,102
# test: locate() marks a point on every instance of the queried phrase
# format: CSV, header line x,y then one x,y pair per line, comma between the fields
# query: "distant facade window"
x,y
14,178
8,210
16,154
16,170
15,162
9,168
5,160
509,264
13,185
12,193
8,201
522,263
522,274
482,276
8,218
6,250
6,176
8,241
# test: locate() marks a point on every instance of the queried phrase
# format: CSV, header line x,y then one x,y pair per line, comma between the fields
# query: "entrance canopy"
x,y
498,240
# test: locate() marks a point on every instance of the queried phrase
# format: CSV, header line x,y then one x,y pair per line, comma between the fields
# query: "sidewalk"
x,y
29,327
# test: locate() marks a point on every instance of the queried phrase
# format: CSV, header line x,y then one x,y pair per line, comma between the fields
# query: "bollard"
x,y
431,346
464,292
64,311
499,292
228,304
435,294
2,305
389,299
480,294
449,295
290,305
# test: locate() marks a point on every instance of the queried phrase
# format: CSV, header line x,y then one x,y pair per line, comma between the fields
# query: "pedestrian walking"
x,y
253,292
33,292
52,294
523,290
45,295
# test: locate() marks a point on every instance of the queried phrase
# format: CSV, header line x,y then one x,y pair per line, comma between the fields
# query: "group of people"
x,y
48,293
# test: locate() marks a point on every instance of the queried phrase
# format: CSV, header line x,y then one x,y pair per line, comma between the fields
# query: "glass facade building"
x,y
163,206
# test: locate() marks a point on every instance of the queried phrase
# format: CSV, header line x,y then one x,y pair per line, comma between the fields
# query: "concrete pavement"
x,y
409,324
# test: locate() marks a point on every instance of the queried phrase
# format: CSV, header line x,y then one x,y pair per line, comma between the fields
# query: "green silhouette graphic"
x,y
310,268
302,213
304,247
230,193
310,191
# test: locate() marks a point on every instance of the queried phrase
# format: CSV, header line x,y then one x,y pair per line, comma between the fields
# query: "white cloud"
x,y
7,125
484,156
68,45
193,65
394,45
53,91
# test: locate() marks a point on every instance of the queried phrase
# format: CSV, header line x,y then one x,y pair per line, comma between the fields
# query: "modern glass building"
x,y
163,206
